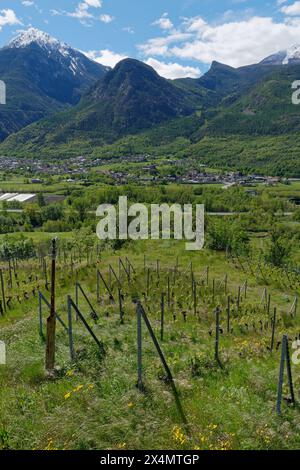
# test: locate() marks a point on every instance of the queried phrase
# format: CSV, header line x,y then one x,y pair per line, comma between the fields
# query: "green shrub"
x,y
279,248
223,234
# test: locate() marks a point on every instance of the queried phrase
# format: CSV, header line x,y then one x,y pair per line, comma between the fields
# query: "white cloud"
x,y
93,3
106,18
164,22
160,45
235,43
173,70
8,17
128,29
82,11
106,57
194,25
167,70
291,10
30,3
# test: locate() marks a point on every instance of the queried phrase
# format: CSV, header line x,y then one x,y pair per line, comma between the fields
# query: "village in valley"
x,y
144,170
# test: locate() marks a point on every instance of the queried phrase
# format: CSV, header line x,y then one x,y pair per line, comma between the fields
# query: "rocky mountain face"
x,y
42,76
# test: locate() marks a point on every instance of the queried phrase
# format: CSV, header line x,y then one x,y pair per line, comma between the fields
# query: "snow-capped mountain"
x,y
292,55
42,76
33,35
72,58
288,57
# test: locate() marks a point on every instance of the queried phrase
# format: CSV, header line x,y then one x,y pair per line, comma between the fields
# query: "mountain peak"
x,y
130,62
130,74
128,65
36,36
44,76
292,54
215,65
284,57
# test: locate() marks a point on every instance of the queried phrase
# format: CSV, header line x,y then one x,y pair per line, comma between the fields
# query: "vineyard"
x,y
155,348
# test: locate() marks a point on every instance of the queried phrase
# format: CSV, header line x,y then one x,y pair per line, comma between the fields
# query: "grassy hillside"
x,y
277,155
39,140
94,404
272,155
266,109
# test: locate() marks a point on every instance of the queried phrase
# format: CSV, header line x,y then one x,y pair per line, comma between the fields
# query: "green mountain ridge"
x,y
128,100
266,109
233,118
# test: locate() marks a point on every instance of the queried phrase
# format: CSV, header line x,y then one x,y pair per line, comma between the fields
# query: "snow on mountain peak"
x,y
44,40
61,52
292,54
284,57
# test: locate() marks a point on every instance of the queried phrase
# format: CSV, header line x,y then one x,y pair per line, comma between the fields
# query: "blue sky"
x,y
177,37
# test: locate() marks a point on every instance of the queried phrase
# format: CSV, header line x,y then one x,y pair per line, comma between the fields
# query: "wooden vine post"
x,y
228,313
285,361
273,329
2,290
195,297
51,320
121,311
162,316
217,339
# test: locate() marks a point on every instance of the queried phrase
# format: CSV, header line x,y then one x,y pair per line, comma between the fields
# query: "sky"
x,y
178,38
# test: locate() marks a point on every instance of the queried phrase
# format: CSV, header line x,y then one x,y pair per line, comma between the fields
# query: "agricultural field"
x,y
227,396
203,372
21,184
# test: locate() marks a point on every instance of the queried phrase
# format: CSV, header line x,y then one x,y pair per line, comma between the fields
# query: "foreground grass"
x,y
94,403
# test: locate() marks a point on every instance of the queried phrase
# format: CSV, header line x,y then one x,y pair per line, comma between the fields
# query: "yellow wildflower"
x,y
178,435
213,426
70,373
50,445
121,445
